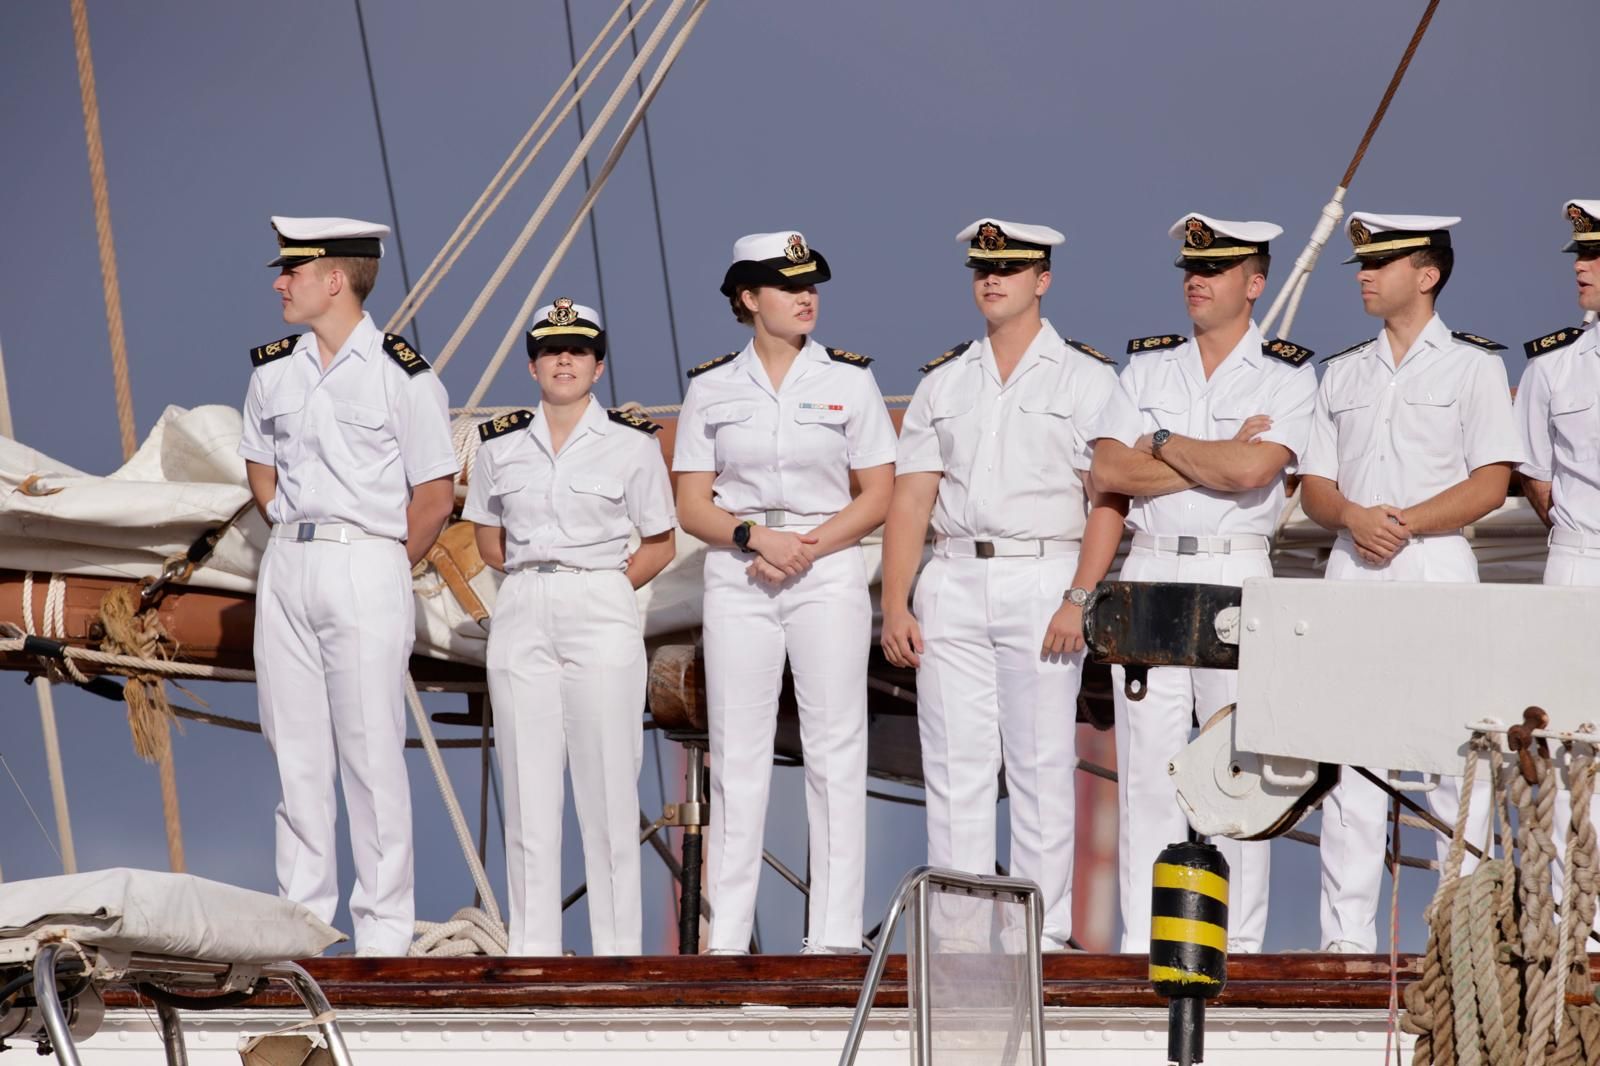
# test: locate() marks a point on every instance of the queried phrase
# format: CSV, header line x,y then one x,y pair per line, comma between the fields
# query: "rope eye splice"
x,y
1188,941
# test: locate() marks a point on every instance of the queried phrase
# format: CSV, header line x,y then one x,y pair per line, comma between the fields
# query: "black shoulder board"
x,y
1347,351
1089,350
402,352
948,357
712,364
633,421
1290,353
1548,343
500,425
276,350
839,355
1478,342
1155,344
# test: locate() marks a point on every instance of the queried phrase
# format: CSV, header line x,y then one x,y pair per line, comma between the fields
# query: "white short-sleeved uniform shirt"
x,y
349,442
1010,454
1558,411
577,507
1171,391
1401,435
790,448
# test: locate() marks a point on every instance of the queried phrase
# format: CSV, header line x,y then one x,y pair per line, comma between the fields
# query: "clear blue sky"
x,y
878,128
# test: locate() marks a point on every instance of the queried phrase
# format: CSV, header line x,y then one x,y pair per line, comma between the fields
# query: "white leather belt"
x,y
1572,538
776,518
549,568
1002,548
335,532
1244,542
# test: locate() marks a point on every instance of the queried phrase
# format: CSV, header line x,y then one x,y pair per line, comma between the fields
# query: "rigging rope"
x,y
500,185
102,226
556,189
1294,286
383,153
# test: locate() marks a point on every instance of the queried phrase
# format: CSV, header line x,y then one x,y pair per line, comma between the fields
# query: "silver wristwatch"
x,y
1076,596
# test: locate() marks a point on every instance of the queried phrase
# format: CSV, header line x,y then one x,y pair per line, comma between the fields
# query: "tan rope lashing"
x,y
1388,94
1577,1028
470,225
1539,930
102,226
559,185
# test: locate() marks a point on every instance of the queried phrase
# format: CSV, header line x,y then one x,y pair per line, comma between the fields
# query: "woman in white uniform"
x,y
556,496
767,441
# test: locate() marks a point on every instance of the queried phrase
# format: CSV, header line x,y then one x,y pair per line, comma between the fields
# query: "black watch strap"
x,y
741,535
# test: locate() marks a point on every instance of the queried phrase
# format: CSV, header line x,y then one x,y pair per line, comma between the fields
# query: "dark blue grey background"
x,y
877,128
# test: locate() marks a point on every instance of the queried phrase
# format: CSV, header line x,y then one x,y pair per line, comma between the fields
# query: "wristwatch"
x,y
741,535
1076,596
1159,438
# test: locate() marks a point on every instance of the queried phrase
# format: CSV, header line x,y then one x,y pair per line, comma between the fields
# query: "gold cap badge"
x,y
795,250
990,239
1582,221
1359,233
1196,234
562,312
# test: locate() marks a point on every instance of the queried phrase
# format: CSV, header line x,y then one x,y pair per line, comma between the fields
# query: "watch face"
x,y
1077,597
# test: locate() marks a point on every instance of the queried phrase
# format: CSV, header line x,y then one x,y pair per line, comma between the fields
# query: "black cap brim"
x,y
757,273
537,345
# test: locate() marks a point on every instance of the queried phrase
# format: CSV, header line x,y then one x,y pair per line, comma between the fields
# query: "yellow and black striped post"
x,y
1189,941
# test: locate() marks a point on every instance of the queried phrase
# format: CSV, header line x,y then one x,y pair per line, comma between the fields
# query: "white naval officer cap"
x,y
1585,218
564,324
301,240
1212,245
1375,236
780,258
992,242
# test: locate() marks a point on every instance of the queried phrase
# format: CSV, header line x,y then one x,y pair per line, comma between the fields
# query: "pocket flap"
x,y
1424,394
1350,401
284,402
359,414
1571,405
1171,402
719,414
1050,403
608,487
828,415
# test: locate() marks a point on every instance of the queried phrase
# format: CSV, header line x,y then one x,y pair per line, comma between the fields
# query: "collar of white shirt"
x,y
593,420
1435,336
361,342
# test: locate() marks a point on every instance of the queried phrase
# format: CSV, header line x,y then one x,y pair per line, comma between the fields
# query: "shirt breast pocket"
x,y
364,429
595,508
280,411
729,425
1433,420
1353,417
947,413
1048,423
1577,426
1163,410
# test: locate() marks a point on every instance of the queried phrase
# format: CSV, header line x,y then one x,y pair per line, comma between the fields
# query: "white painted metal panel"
x,y
1387,674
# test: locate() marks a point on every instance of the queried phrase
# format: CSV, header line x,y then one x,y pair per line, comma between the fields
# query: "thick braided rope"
x,y
102,226
1578,1041
468,932
1499,1027
1539,946
1463,990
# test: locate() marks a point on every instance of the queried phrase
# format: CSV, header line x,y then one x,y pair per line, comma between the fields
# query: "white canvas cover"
x,y
158,913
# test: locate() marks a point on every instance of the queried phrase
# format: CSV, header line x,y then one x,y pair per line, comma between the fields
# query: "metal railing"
x,y
915,891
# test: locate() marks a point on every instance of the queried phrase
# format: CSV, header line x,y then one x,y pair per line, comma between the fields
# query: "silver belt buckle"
x,y
306,531
775,519
545,568
983,549
1188,545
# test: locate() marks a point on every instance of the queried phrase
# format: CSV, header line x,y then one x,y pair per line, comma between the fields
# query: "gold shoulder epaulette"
x,y
948,357
402,352
1477,342
276,350
1089,350
1547,343
839,355
633,421
712,364
1155,344
1290,353
1346,351
500,425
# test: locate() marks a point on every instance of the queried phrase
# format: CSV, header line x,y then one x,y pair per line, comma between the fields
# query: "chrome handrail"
x,y
915,884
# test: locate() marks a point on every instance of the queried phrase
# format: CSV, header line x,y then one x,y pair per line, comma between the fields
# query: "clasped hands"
x,y
780,555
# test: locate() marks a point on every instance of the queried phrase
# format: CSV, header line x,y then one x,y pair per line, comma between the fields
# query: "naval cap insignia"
x,y
795,249
1359,233
562,312
990,239
1582,221
1196,234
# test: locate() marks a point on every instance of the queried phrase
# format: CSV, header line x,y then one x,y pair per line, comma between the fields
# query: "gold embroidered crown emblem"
x,y
990,239
795,250
1582,221
1359,233
562,313
1196,234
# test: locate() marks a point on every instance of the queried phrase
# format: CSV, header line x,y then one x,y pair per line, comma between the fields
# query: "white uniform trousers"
x,y
1578,566
986,699
334,628
1355,815
822,621
1149,733
566,669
